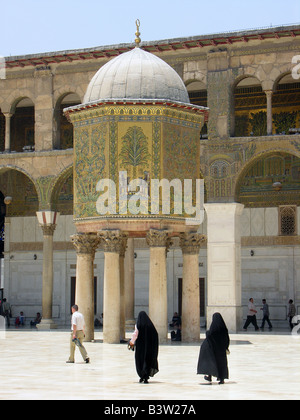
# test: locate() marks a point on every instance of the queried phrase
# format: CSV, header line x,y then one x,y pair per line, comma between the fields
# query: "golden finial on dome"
x,y
137,34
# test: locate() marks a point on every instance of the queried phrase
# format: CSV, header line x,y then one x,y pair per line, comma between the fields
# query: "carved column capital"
x,y
113,241
190,242
158,238
7,115
85,243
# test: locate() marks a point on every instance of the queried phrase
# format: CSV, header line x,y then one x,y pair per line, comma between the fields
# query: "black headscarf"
x,y
146,350
212,358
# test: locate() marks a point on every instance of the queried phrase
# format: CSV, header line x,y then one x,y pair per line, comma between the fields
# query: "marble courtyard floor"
x,y
262,365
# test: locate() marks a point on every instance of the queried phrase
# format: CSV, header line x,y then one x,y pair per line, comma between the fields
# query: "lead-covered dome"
x,y
136,74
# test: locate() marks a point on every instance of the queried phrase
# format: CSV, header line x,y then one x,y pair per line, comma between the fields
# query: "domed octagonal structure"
x,y
136,143
137,123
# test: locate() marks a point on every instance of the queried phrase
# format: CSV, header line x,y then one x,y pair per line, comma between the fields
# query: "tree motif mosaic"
x,y
134,151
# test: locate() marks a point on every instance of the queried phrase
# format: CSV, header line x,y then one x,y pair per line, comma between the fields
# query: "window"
x,y
287,220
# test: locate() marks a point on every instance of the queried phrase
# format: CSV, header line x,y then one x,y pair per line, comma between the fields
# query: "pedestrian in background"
x,y
251,316
77,335
266,315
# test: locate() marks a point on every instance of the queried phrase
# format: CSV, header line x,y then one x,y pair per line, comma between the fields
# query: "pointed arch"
x,y
24,191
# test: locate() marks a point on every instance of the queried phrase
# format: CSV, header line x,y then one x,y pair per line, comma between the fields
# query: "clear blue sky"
x,y
35,26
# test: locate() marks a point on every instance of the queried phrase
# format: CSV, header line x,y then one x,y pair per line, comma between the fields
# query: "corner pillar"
x,y
224,263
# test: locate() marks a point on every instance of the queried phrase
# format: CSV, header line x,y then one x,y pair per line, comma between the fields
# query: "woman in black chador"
x,y
213,352
145,338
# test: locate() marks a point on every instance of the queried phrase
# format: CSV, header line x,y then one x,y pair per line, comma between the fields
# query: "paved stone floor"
x,y
262,365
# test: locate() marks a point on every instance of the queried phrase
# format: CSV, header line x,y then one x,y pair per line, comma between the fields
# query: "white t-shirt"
x,y
251,309
78,320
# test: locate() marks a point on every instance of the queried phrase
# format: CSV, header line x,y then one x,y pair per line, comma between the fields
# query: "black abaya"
x,y
146,347
212,358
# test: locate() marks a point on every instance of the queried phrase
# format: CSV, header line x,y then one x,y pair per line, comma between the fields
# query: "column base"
x,y
232,315
46,324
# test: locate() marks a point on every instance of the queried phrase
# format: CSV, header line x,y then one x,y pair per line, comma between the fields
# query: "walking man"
x,y
251,316
77,335
266,315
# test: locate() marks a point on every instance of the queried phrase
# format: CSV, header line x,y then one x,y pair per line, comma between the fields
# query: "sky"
x,y
39,26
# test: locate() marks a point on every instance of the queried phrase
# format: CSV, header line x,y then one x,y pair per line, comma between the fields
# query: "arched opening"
x,y
198,96
21,189
18,198
22,126
286,106
64,137
270,181
250,115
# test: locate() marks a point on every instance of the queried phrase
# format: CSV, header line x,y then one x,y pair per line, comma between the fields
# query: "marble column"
x,y
7,131
47,221
111,242
190,243
85,245
224,263
269,94
122,287
158,242
129,284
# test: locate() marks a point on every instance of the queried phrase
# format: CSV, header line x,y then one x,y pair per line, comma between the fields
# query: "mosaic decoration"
x,y
183,143
148,142
90,160
250,107
225,165
25,199
134,150
257,188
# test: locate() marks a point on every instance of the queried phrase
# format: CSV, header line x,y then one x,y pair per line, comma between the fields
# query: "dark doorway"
x,y
73,289
201,293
